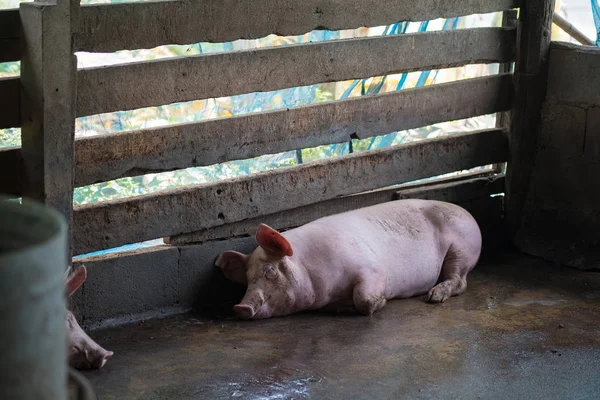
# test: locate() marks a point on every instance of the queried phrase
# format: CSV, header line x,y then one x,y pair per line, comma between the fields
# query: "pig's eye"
x,y
270,272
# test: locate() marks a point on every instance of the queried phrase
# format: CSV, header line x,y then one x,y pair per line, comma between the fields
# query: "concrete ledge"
x,y
131,286
126,283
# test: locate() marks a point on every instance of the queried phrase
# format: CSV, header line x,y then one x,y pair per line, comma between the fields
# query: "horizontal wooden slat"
x,y
10,50
10,167
159,82
111,27
450,190
146,25
10,24
10,32
106,157
109,224
10,106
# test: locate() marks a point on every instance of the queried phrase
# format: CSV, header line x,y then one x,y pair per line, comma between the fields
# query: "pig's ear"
x,y
273,241
233,265
75,279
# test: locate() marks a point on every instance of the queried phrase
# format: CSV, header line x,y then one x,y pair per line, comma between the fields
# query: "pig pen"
x,y
525,328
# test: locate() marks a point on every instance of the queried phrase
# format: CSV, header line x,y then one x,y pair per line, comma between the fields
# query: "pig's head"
x,y
277,285
83,352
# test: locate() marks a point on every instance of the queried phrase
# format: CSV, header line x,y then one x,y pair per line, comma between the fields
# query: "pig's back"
x,y
405,240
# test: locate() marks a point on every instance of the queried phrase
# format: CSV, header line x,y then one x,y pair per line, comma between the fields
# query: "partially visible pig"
x,y
84,353
357,259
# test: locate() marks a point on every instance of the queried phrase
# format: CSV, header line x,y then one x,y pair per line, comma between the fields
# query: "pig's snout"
x,y
98,358
251,306
90,358
244,311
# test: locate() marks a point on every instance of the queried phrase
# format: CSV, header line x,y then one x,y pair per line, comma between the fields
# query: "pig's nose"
x,y
99,358
244,311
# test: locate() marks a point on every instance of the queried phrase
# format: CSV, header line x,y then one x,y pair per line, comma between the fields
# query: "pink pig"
x,y
358,259
83,352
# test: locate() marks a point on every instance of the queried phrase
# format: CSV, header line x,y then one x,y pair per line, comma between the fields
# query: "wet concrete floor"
x,y
525,329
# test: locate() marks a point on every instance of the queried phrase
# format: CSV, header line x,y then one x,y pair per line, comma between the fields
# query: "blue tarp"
x,y
596,15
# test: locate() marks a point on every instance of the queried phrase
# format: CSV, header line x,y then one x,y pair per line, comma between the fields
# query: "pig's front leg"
x,y
369,295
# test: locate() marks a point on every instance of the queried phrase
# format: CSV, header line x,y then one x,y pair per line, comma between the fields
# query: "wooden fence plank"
x,y
158,82
451,190
10,165
509,19
10,33
10,104
147,25
10,50
10,24
113,223
531,77
106,157
111,27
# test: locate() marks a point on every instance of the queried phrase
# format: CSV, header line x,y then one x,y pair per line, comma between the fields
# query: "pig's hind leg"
x,y
453,276
369,296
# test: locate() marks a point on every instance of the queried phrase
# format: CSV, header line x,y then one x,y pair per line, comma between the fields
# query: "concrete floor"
x,y
525,329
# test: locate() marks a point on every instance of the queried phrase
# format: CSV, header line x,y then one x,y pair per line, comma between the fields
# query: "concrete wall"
x,y
159,281
562,213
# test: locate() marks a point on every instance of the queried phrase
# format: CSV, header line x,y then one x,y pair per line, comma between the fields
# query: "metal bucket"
x,y
33,259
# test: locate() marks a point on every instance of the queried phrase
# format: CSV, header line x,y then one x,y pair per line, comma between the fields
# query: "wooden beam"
x,y
48,78
106,157
10,104
9,50
450,190
113,223
112,27
10,165
159,82
531,72
509,20
10,24
10,33
134,26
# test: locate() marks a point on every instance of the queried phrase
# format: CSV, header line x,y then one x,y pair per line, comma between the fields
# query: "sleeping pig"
x,y
358,259
83,352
